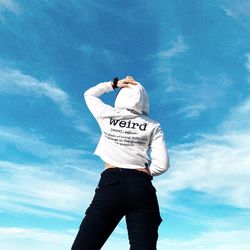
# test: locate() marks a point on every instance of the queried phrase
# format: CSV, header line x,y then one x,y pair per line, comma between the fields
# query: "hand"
x,y
124,83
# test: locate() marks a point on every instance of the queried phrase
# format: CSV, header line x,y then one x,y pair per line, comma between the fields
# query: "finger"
x,y
129,77
133,83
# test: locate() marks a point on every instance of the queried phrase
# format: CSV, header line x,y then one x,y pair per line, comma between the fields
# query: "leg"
x,y
143,230
102,216
144,219
95,229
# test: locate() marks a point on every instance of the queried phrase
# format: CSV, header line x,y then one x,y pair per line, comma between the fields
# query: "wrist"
x,y
115,82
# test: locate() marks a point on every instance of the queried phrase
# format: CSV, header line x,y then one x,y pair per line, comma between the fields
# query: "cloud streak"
x,y
103,54
194,98
236,8
15,82
38,190
247,65
62,240
9,5
225,155
214,240
177,47
35,145
239,10
191,97
52,187
24,238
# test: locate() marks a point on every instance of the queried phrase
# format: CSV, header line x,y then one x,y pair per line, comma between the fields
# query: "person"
x,y
133,149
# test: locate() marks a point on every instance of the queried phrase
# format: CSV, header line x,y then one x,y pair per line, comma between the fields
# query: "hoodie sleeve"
x,y
158,153
96,106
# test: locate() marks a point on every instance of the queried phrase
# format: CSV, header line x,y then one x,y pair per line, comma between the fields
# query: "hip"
x,y
144,169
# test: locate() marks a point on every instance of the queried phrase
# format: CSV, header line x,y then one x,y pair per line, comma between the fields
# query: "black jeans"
x,y
121,192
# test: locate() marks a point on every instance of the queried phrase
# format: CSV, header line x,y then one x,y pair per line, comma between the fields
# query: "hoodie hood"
x,y
133,98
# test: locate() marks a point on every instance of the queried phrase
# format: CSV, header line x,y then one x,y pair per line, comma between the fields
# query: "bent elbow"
x,y
159,168
86,93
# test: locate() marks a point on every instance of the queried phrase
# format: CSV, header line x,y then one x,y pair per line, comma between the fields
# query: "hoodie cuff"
x,y
109,86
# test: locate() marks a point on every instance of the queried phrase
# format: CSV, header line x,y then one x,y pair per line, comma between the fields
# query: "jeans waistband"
x,y
126,171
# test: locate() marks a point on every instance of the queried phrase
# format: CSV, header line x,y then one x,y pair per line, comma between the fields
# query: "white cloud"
x,y
62,185
247,64
229,12
238,119
44,191
36,145
15,238
239,10
54,188
204,93
216,164
131,15
25,238
236,8
9,5
214,240
193,98
101,54
60,188
192,110
87,49
177,47
82,126
15,82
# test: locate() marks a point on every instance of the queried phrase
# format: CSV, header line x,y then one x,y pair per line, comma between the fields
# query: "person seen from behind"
x,y
133,150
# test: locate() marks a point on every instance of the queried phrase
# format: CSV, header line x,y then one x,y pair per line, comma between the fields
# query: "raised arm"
x,y
96,106
158,154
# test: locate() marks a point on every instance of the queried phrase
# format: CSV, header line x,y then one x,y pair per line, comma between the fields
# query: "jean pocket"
x,y
107,181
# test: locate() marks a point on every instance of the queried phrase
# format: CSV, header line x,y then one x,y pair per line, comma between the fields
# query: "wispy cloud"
x,y
50,187
207,93
15,238
193,98
247,64
214,240
236,8
216,164
238,119
239,10
36,145
43,191
178,46
15,82
9,5
24,238
192,110
87,49
102,54
130,16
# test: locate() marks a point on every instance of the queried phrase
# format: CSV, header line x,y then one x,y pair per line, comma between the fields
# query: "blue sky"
x,y
193,57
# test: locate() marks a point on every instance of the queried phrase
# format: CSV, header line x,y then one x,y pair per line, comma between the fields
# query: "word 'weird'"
x,y
128,124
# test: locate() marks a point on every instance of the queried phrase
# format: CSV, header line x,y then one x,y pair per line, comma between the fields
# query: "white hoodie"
x,y
130,139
